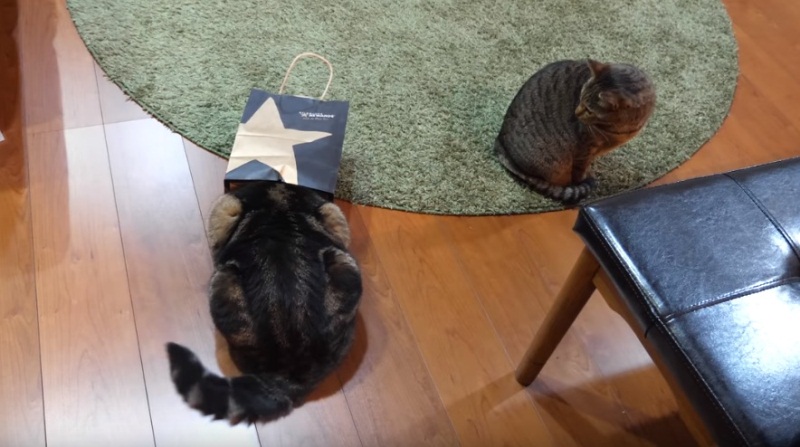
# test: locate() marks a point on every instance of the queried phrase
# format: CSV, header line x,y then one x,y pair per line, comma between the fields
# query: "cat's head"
x,y
617,98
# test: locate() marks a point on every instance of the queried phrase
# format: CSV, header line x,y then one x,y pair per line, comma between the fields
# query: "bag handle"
x,y
302,56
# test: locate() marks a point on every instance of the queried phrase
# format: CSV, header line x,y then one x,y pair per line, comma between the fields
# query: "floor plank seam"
x,y
130,296
33,267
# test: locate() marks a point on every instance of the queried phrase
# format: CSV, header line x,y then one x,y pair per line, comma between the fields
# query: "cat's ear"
x,y
597,68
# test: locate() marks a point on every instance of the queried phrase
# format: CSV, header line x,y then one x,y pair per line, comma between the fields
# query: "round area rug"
x,y
428,81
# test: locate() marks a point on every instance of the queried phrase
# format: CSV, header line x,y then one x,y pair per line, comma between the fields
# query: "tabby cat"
x,y
284,294
566,115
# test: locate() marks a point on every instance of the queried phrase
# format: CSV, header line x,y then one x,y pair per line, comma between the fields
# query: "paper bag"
x,y
293,139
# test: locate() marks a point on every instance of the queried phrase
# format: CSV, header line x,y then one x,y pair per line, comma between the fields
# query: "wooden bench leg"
x,y
687,412
569,302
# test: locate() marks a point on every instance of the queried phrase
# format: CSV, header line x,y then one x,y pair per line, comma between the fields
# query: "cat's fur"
x,y
566,115
284,294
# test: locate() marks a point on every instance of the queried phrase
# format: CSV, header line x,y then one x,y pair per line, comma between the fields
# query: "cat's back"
x,y
281,216
277,243
546,103
540,133
278,257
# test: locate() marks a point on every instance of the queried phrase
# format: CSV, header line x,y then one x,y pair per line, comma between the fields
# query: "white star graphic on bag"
x,y
265,139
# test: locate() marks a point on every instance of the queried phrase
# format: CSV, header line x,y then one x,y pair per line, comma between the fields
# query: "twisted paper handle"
x,y
294,62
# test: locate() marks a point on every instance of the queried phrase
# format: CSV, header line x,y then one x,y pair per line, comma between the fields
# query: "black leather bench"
x,y
707,273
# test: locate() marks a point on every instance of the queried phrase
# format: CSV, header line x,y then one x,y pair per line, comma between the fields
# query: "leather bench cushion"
x,y
710,268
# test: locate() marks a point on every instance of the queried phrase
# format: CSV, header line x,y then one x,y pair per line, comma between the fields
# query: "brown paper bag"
x,y
294,139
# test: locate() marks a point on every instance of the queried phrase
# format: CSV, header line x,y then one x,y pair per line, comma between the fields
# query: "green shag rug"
x,y
428,80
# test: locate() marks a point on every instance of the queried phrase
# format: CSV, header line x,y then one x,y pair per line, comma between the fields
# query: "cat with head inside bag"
x,y
284,294
565,116
285,289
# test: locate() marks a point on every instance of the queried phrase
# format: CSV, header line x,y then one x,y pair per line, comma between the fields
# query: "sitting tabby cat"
x,y
566,115
284,294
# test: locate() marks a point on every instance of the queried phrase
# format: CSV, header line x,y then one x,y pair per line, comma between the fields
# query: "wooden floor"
x,y
103,259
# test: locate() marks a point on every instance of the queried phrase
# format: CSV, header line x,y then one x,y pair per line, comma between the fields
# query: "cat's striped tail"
x,y
248,398
567,194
